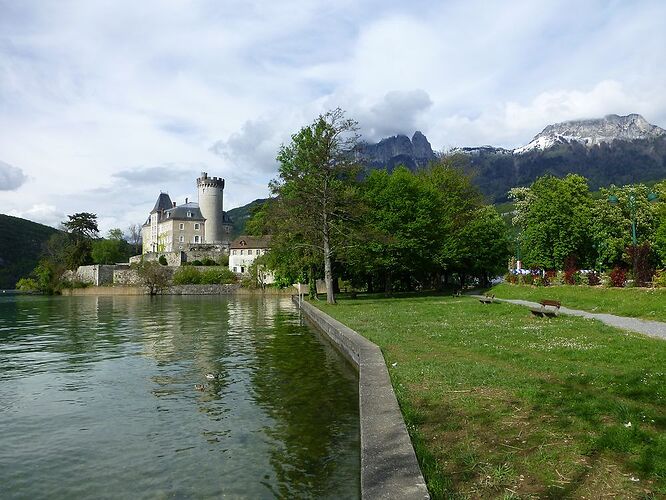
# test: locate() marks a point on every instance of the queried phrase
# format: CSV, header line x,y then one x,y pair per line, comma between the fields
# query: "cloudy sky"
x,y
105,103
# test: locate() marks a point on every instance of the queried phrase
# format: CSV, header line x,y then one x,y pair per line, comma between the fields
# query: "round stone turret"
x,y
211,191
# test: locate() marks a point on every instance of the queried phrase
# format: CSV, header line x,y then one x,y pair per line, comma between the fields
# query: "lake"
x,y
100,397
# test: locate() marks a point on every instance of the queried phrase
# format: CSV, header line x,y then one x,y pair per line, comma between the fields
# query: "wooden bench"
x,y
487,299
550,308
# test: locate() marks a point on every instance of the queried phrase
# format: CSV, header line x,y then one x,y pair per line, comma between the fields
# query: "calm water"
x,y
98,400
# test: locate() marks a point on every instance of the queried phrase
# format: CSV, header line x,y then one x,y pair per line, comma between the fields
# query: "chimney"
x,y
174,204
185,201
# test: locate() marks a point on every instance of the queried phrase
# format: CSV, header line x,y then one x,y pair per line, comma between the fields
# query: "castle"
x,y
190,226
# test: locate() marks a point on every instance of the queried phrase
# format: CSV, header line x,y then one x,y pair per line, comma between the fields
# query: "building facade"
x,y
243,252
173,228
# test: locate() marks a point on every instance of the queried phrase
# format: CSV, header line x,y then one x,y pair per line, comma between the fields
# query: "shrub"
x,y
551,276
659,278
540,281
618,277
187,276
641,257
593,279
572,277
162,260
196,262
219,276
27,285
511,278
208,262
223,260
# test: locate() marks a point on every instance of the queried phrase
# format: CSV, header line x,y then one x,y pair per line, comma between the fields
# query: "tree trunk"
x,y
328,272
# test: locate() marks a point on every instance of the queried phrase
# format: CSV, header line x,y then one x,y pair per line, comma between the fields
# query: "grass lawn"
x,y
646,303
501,404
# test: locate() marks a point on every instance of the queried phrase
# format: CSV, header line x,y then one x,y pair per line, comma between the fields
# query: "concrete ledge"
x,y
389,468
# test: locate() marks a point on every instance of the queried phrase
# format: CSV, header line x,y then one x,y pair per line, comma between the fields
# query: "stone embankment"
x,y
389,468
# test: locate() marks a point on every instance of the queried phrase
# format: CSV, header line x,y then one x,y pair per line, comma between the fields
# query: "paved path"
x,y
655,329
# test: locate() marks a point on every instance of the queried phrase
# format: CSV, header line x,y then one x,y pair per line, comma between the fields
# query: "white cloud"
x,y
42,213
94,95
11,178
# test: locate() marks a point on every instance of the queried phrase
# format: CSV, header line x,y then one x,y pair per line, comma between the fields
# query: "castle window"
x,y
233,252
242,252
181,238
196,239
196,226
189,214
249,252
235,269
181,226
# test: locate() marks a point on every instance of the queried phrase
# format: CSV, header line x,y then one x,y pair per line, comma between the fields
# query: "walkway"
x,y
655,329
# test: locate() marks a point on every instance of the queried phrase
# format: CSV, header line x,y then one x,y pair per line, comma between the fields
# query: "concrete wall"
x,y
389,468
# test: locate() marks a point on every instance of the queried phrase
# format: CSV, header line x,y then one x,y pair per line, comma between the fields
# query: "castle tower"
x,y
211,190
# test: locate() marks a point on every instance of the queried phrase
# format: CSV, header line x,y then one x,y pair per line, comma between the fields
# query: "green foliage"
x,y
187,275
27,285
218,276
315,191
659,278
555,218
21,245
109,251
162,260
193,276
153,275
242,216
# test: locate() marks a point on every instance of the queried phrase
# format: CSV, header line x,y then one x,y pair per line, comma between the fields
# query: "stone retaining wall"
x,y
389,468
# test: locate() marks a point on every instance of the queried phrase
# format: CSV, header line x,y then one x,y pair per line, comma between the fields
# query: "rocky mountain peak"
x,y
397,150
594,132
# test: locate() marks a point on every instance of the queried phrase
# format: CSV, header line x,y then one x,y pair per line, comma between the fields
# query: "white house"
x,y
244,250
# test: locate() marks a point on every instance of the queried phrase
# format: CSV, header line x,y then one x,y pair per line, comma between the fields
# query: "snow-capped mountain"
x,y
594,132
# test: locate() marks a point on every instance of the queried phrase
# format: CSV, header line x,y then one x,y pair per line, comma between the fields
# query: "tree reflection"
x,y
313,398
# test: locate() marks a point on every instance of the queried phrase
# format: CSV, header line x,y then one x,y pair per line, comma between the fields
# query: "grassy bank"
x,y
501,404
646,303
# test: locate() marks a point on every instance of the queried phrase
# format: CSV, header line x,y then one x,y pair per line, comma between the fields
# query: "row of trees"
x,y
78,244
562,225
392,231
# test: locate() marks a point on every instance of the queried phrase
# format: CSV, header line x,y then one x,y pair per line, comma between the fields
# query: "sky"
x,y
106,103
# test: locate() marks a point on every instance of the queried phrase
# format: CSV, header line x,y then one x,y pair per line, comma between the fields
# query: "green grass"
x,y
500,404
646,303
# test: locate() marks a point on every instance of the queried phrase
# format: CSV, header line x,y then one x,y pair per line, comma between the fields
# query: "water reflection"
x,y
97,394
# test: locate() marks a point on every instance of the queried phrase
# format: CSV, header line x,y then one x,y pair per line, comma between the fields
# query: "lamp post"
x,y
632,213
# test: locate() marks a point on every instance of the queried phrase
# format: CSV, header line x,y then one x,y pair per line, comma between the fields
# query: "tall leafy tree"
x,y
314,190
82,229
403,218
555,216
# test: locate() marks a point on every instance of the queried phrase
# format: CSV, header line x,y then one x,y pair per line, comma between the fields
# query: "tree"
x,y
555,216
403,233
111,249
612,222
135,237
486,239
314,190
82,229
153,275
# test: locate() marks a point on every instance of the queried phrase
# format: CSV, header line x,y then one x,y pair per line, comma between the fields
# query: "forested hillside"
x,y
20,246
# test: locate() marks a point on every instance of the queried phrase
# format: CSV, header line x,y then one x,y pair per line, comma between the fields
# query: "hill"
x,y
20,247
610,150
240,216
